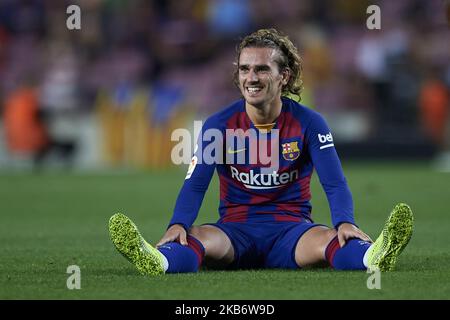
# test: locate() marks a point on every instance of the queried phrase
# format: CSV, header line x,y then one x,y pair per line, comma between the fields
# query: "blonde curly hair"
x,y
287,59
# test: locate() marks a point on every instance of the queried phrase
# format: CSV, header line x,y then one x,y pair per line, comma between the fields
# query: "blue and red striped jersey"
x,y
251,188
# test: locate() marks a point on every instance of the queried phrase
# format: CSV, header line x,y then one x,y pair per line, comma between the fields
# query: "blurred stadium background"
x,y
110,94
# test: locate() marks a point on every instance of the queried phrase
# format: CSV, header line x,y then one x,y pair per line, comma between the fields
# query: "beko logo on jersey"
x,y
252,180
326,138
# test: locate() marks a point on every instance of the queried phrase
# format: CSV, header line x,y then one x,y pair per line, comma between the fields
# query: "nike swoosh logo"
x,y
236,151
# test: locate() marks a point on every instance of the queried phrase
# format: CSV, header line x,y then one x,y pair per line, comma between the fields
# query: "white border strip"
x,y
261,187
327,146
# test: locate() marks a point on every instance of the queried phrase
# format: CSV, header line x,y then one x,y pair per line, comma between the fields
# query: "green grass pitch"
x,y
51,220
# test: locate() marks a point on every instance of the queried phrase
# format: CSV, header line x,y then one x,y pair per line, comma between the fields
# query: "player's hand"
x,y
347,231
174,233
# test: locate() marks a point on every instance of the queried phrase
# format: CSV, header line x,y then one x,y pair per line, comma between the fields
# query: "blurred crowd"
x,y
163,60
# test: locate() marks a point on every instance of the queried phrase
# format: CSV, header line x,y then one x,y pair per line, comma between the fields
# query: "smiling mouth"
x,y
253,90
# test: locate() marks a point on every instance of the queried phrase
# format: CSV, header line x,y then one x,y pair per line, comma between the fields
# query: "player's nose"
x,y
252,76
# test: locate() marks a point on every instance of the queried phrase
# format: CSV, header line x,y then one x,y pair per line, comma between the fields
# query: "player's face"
x,y
259,78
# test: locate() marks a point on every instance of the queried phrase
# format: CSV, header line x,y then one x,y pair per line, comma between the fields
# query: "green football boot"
x,y
394,237
129,242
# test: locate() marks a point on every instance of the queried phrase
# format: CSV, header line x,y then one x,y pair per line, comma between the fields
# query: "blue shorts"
x,y
264,244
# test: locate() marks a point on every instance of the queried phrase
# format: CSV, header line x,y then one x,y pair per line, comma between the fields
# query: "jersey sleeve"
x,y
328,166
197,180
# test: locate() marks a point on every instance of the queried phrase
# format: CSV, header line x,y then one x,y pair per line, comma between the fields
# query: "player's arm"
x,y
328,166
192,192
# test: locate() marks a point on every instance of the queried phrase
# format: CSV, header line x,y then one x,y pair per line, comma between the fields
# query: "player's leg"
x,y
128,241
285,250
394,237
171,257
310,248
205,243
219,251
320,244
308,244
223,245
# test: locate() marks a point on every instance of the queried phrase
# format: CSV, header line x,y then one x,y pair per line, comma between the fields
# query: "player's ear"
x,y
285,74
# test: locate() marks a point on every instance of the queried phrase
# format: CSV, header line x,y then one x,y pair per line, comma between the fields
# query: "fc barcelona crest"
x,y
290,150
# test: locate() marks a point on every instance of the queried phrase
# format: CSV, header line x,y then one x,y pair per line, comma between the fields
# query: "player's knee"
x,y
321,236
196,232
324,237
202,235
311,247
329,235
216,243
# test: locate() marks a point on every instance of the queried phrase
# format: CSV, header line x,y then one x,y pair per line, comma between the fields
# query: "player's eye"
x,y
243,69
262,69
